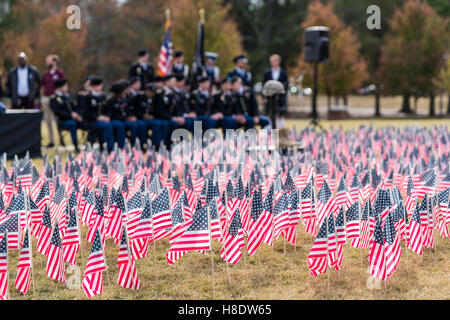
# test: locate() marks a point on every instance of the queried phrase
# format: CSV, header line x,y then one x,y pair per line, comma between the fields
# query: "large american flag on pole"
x,y
165,54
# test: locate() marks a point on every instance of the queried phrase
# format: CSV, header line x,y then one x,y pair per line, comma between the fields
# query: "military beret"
x,y
203,79
142,52
178,54
119,86
158,79
150,87
95,81
133,80
59,83
235,79
169,76
87,78
180,77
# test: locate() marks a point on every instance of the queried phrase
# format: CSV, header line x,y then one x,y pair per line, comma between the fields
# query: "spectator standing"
x,y
52,74
275,72
23,84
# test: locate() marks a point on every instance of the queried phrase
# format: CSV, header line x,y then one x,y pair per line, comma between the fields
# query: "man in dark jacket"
x,y
23,84
67,113
142,69
275,72
93,108
223,105
245,105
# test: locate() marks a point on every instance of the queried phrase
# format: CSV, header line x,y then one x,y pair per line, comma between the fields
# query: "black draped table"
x,y
20,131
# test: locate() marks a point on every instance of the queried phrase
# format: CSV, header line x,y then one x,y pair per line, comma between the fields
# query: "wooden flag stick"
x,y
30,245
226,224
211,247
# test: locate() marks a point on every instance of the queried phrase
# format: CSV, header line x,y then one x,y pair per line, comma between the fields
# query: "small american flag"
x,y
11,226
392,249
72,239
162,218
24,266
4,288
317,257
55,260
128,277
197,235
377,259
234,240
415,232
93,279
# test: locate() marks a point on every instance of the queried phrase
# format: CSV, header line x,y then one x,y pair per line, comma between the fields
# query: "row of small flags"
x,y
345,188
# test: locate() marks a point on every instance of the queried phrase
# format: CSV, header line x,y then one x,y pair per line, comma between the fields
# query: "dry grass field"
x,y
270,274
273,273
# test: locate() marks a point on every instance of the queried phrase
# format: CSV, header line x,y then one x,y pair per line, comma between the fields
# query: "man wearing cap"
x,y
136,101
202,104
93,108
182,113
23,84
223,105
179,68
160,128
240,71
142,69
67,113
52,74
212,71
245,105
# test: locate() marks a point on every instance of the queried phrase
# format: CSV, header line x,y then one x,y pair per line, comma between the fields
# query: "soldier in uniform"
x,y
94,112
164,106
202,104
182,113
142,69
179,68
212,71
244,103
137,103
67,113
223,104
160,128
240,71
120,114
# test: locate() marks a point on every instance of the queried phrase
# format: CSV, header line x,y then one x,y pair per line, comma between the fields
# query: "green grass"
x,y
270,274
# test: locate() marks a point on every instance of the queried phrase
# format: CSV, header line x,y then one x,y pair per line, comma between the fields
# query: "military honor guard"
x,y
223,104
136,101
245,105
68,116
241,71
202,104
159,128
142,69
179,68
212,71
93,108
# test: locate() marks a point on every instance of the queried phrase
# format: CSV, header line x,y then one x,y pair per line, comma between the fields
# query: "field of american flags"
x,y
280,272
